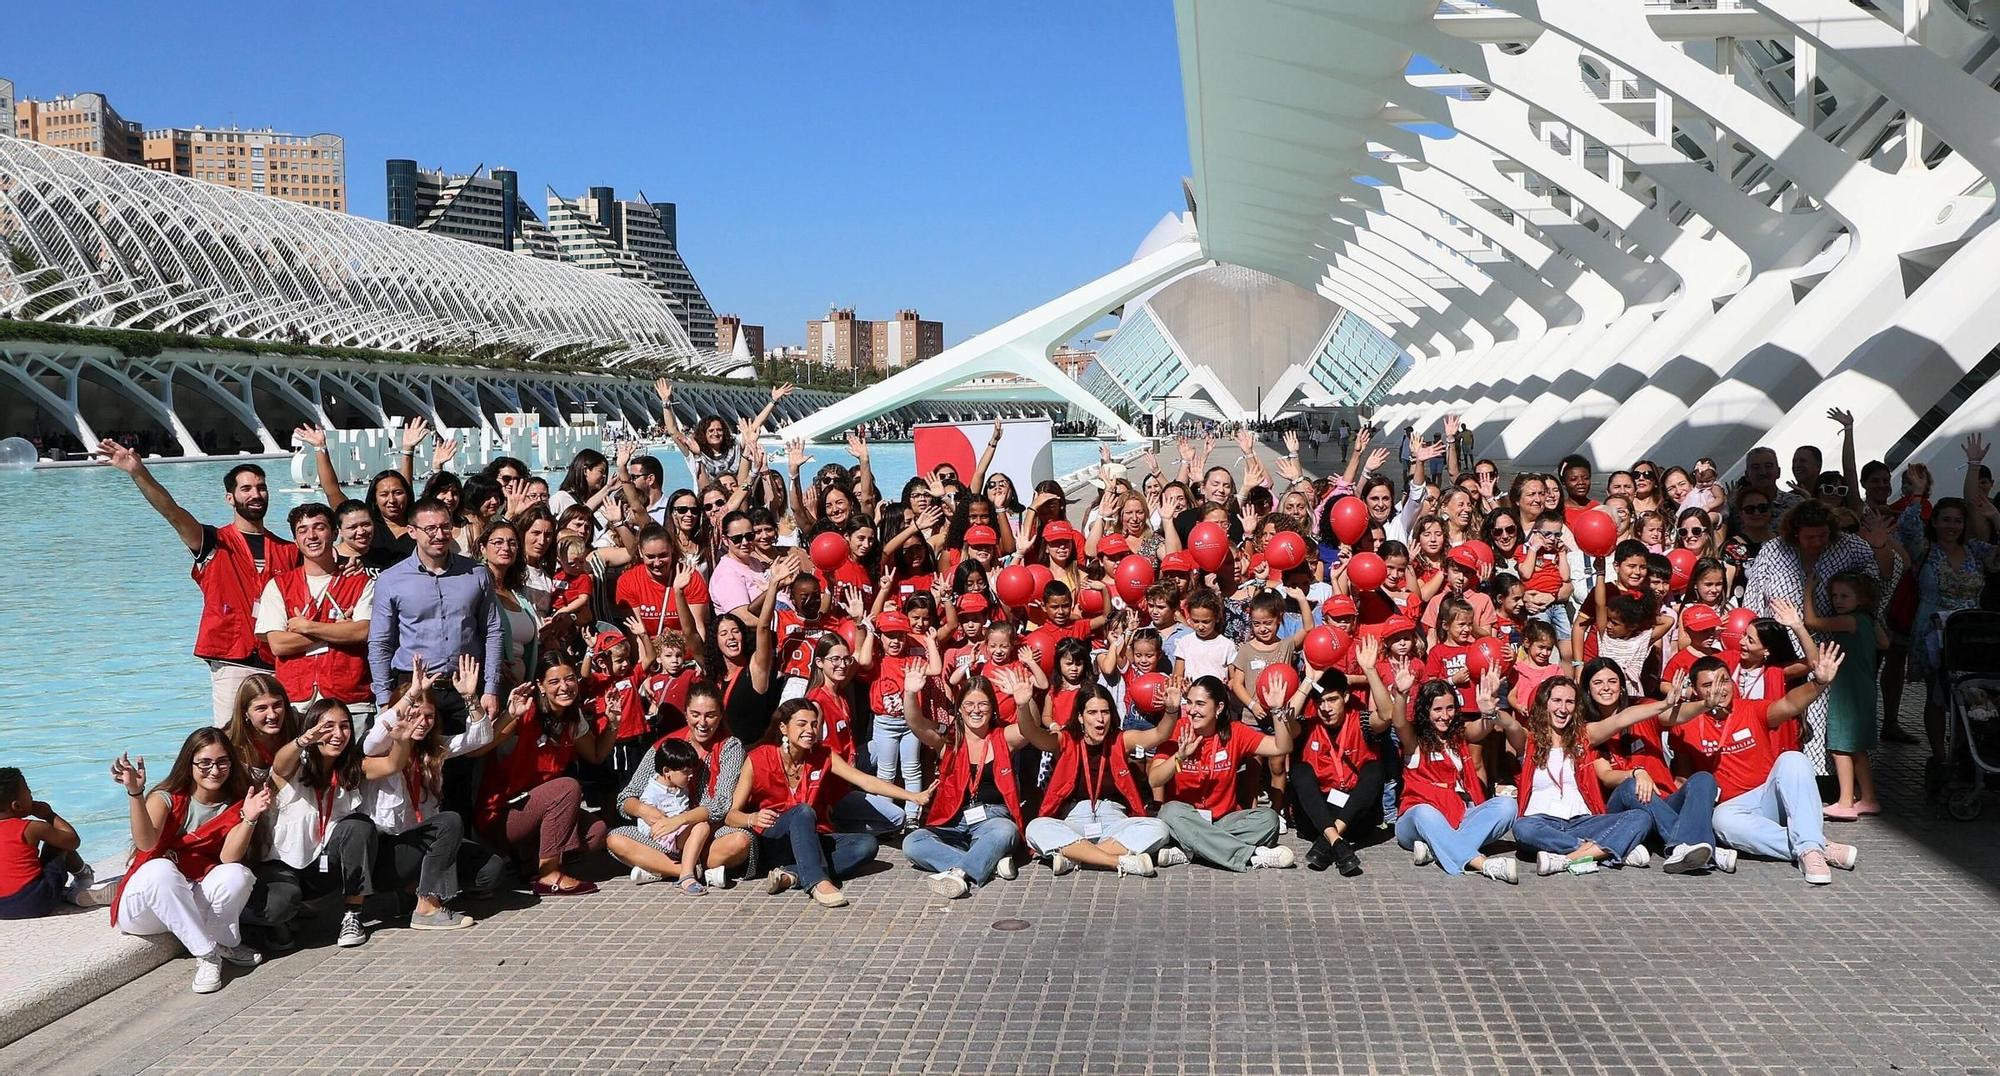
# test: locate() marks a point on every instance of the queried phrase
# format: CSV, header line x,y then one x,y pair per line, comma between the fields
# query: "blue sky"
x,y
969,160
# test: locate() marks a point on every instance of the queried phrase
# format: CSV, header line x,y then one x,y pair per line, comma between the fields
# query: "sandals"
x,y
580,889
692,886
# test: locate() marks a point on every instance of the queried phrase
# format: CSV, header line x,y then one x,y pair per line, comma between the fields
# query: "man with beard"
x,y
314,619
232,565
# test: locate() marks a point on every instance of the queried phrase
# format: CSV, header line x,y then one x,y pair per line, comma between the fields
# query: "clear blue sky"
x,y
968,160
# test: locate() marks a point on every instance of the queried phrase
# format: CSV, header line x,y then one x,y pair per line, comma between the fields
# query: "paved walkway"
x,y
1896,967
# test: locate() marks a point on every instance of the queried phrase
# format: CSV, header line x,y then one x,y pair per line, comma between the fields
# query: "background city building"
x,y
844,342
728,327
482,206
307,169
83,123
638,239
840,341
905,340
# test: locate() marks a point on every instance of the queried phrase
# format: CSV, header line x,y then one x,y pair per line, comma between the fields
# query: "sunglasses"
x,y
685,509
1647,475
1694,531
1497,531
713,505
737,539
1755,509
1836,490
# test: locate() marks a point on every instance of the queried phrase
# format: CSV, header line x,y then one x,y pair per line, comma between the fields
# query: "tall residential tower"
x,y
637,239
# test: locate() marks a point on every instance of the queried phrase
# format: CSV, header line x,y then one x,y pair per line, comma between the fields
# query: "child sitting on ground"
x,y
38,860
681,774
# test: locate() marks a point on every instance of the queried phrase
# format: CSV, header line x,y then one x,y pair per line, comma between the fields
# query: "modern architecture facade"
x,y
307,169
97,243
636,239
81,123
729,329
482,206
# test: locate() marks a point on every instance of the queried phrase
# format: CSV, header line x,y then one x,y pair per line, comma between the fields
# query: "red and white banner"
x,y
1024,456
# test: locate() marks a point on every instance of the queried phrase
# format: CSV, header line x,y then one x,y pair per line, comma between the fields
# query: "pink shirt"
x,y
734,584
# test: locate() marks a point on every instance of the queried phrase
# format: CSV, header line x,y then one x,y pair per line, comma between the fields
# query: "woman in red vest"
x,y
1562,803
1092,814
974,818
1337,787
526,799
190,836
261,726
783,797
1445,815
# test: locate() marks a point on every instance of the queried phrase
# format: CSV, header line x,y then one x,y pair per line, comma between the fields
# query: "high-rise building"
x,y
85,123
483,207
6,106
638,239
307,169
905,340
728,327
841,342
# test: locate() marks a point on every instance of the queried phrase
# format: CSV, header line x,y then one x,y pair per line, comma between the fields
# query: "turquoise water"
x,y
100,635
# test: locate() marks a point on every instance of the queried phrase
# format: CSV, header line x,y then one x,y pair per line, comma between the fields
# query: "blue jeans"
x,y
1779,818
895,751
974,849
1615,833
1556,616
795,841
1686,817
1454,848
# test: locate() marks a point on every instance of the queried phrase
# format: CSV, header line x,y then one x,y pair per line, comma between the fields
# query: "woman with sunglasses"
x,y
190,836
1646,494
1693,532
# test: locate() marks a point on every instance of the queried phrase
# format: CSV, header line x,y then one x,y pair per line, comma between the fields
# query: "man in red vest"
x,y
314,618
231,565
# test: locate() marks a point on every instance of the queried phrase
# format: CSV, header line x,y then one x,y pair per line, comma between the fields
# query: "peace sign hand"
x,y
130,774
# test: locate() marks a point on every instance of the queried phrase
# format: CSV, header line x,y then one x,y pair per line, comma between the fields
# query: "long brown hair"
x,y
316,771
179,780
242,742
1542,735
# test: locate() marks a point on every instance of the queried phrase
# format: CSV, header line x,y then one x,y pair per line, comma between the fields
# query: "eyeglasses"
x,y
432,528
1833,490
210,765
635,475
738,538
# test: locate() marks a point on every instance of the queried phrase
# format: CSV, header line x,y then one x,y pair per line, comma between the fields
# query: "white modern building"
x,y
638,240
479,206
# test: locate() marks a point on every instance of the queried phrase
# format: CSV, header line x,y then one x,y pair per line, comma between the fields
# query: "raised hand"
x,y
1184,448
1831,657
1367,650
1376,458
465,679
1450,426
310,435
1292,442
623,456
1844,418
634,627
782,390
1784,612
795,455
1186,743
666,390
1875,528
118,456
1424,453
914,678
414,432
1406,677
520,701
1273,694
442,452
129,773
857,445
1489,689
257,801
785,569
1975,448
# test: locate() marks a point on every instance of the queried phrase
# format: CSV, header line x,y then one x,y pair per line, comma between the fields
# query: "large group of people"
x,y
432,691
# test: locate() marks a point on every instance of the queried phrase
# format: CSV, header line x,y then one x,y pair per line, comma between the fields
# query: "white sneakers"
x,y
1170,856
1060,864
1639,856
713,877
642,876
207,974
1136,863
950,885
1005,870
1502,869
1688,857
1275,858
1546,863
1420,854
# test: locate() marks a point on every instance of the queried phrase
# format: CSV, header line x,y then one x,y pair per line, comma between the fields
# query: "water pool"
x,y
100,639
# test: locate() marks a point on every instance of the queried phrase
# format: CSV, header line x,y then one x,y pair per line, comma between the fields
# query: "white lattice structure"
x,y
120,246
1623,227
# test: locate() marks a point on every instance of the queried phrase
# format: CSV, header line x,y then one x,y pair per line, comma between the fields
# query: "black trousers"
x,y
1361,814
428,854
345,865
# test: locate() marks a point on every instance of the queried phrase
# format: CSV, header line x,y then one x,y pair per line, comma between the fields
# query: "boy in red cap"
x,y
895,749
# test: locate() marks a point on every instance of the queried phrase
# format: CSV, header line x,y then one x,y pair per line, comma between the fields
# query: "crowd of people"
x,y
427,693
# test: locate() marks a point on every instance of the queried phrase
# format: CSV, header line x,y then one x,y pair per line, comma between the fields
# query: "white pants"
x,y
224,677
159,899
1136,834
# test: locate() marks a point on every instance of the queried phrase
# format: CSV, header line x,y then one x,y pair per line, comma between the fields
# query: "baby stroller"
x,y
1970,674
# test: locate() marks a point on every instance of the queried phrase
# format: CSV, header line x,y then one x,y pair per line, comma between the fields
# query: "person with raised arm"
x,y
527,800
232,564
1195,778
314,619
390,492
974,819
1092,813
782,796
420,846
190,836
1445,816
1337,780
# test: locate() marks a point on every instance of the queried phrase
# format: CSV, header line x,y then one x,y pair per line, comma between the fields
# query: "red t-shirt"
x,y
565,588
1447,661
1003,706
1207,781
800,640
653,601
1543,573
885,683
1639,748
1748,749
908,585
1045,638
615,704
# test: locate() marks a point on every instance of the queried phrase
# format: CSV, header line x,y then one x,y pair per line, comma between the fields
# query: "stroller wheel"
x,y
1934,778
1965,804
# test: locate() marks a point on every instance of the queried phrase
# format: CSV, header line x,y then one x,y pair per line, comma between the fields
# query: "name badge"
x,y
815,775
975,814
840,726
1206,814
1740,735
1313,746
1093,830
1222,756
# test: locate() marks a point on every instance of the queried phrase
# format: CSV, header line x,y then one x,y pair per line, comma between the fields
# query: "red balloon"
x,y
828,551
1596,532
1209,542
1146,691
1286,550
1324,646
1132,576
1043,577
1481,550
1494,650
1476,661
1090,601
1279,674
1015,585
1683,561
1350,519
1736,626
1367,571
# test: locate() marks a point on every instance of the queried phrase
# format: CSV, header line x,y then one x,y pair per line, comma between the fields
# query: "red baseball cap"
x,y
972,603
1397,625
1061,531
1113,545
891,621
1182,561
1339,605
1464,558
1701,618
607,639
981,534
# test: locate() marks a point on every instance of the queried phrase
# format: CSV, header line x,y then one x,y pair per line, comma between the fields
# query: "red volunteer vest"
x,y
194,853
768,787
955,786
1431,780
230,583
1336,758
1583,773
530,764
336,672
1067,775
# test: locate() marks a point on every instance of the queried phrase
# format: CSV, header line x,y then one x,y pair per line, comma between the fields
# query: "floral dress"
x,y
1942,587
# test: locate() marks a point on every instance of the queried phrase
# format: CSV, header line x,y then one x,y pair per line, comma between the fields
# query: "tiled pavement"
x,y
1893,968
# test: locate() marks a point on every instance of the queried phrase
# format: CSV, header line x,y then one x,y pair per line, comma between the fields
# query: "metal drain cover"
x,y
1012,924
